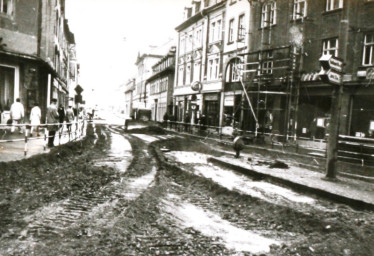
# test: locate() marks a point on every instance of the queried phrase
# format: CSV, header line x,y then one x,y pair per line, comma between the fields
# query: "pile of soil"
x,y
188,144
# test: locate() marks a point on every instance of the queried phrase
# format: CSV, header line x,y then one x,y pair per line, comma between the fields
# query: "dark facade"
x,y
34,53
286,40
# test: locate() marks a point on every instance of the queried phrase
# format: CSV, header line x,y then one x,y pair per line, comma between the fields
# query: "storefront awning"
x,y
313,76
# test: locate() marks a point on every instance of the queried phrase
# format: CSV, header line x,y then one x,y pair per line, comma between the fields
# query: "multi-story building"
x,y
129,91
161,86
254,65
144,64
34,53
198,82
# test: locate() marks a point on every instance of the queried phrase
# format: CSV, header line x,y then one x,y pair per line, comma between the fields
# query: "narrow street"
x,y
116,193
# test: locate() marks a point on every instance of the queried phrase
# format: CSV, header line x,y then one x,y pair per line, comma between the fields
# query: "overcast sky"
x,y
110,33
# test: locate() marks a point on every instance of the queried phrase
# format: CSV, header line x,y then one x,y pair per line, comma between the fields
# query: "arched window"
x,y
233,70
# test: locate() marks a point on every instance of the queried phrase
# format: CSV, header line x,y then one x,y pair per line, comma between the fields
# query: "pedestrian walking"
x,y
238,145
61,116
52,120
69,118
35,117
17,113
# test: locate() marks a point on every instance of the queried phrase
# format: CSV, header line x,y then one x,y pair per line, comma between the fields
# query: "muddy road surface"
x,y
147,192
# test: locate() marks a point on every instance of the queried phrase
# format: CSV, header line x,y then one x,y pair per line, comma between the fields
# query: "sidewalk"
x,y
255,161
12,146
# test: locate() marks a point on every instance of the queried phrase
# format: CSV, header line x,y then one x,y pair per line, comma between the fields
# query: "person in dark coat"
x,y
61,114
238,145
52,118
186,122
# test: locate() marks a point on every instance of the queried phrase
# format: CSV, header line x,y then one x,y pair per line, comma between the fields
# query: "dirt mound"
x,y
182,144
149,130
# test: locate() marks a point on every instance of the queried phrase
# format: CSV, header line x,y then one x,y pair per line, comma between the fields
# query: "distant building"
x,y
129,94
161,85
37,54
140,102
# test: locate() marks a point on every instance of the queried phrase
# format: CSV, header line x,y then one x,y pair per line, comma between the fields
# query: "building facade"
x,y
198,82
141,102
254,65
161,85
35,53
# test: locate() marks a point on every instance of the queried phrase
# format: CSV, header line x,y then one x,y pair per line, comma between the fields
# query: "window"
x,y
330,47
231,31
212,31
182,46
241,28
268,14
198,37
333,4
213,68
219,29
299,9
6,7
233,70
196,71
267,63
180,75
215,30
367,59
188,74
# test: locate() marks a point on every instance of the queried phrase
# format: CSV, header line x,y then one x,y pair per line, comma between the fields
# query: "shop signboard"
x,y
229,101
334,77
370,73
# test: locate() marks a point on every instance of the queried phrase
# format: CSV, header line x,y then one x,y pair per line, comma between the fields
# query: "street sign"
x,y
336,64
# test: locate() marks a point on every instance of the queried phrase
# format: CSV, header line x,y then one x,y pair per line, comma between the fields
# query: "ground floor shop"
x,y
32,82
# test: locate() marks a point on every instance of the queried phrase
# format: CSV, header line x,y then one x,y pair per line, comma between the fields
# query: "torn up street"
x,y
152,192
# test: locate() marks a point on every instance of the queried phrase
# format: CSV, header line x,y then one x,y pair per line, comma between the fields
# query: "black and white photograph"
x,y
187,127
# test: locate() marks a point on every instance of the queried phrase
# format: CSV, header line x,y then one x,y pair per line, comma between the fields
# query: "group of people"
x,y
55,118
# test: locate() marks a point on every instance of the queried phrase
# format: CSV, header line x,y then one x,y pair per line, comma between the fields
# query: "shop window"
x,y
333,5
299,9
6,7
367,59
269,14
6,87
231,31
330,47
241,28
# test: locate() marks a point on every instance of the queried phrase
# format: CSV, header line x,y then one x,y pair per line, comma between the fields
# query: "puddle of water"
x,y
212,225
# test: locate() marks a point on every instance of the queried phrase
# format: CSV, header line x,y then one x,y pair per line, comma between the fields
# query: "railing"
x,y
75,132
351,149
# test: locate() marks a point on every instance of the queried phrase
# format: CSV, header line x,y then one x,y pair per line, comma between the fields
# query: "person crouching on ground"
x,y
238,145
17,113
35,116
52,120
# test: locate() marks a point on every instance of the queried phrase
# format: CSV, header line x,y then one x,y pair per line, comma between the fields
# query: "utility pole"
x,y
331,73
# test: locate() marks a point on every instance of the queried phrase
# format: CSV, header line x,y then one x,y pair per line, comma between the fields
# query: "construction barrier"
x,y
351,149
73,131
